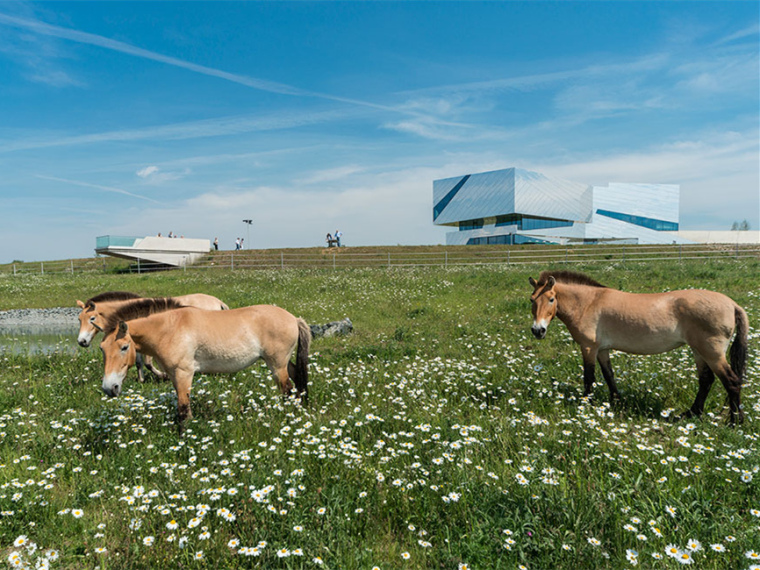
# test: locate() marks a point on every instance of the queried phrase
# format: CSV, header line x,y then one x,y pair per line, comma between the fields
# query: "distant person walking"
x,y
338,235
237,244
216,244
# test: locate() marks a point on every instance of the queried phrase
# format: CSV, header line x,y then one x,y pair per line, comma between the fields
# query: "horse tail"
x,y
301,379
738,352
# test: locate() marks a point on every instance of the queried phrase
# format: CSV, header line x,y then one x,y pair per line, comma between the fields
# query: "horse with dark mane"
x,y
96,310
601,319
186,340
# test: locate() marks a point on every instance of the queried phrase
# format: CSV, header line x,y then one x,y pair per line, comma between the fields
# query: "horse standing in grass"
x,y
601,319
95,312
186,340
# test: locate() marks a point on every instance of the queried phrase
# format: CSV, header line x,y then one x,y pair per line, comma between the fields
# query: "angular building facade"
x,y
514,206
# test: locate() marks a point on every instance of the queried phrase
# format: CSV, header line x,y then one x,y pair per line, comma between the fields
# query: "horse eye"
x,y
124,348
551,300
92,319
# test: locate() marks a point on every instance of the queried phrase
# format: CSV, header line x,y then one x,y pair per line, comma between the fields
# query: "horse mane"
x,y
110,296
138,309
568,277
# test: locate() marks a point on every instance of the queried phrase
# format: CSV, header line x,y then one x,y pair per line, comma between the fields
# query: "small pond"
x,y
38,340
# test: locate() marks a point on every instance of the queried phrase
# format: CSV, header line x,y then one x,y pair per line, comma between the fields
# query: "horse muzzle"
x,y
84,339
110,388
538,331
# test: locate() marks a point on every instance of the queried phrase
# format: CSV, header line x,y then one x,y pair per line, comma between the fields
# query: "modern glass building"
x,y
514,206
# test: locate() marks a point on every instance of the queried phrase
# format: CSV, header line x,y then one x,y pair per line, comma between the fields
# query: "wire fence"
x,y
343,258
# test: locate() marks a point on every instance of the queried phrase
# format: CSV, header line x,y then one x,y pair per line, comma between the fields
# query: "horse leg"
x,y
589,369
292,373
281,375
140,365
155,371
713,352
733,385
706,379
609,376
182,380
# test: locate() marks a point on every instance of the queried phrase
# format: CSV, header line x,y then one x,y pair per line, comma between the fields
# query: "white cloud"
x,y
331,174
110,189
147,171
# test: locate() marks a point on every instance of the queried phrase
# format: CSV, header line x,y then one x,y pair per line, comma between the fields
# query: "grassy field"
x,y
440,434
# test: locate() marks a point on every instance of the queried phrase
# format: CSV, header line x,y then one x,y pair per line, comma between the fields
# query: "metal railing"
x,y
422,256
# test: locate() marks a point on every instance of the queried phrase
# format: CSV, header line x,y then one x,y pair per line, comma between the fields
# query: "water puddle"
x,y
38,340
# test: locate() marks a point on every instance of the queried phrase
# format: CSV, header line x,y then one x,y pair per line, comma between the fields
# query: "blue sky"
x,y
141,117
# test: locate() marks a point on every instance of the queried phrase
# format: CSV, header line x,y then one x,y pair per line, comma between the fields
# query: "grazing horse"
x,y
601,319
95,312
186,340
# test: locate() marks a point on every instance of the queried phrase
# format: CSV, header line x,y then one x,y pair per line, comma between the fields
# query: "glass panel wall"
x,y
651,223
471,225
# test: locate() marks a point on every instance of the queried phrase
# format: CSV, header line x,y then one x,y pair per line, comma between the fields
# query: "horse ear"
x,y
80,304
123,328
532,282
551,282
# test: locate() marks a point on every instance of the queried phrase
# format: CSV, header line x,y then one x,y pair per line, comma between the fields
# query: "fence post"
x,y
508,252
566,250
737,250
680,247
42,268
623,254
446,259
389,259
138,266
333,261
232,261
282,260
72,267
14,269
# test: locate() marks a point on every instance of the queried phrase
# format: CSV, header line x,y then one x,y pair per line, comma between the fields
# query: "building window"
x,y
471,225
644,222
507,239
531,222
508,220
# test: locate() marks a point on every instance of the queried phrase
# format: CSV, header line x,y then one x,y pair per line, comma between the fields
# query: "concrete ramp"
x,y
178,252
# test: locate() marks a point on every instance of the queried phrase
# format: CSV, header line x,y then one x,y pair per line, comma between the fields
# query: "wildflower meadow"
x,y
440,434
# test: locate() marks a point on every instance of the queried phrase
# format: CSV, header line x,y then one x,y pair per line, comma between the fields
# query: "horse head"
x,y
543,305
89,324
119,355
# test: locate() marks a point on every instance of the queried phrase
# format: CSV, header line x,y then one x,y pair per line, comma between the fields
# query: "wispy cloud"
x,y
221,126
753,30
78,36
331,174
97,187
527,82
155,175
147,171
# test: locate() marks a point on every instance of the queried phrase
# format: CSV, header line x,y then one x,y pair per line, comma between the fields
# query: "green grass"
x,y
440,429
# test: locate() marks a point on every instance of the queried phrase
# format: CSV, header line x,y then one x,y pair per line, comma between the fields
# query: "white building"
x,y
514,206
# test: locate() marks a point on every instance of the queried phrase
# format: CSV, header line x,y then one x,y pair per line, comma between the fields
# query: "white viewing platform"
x,y
178,252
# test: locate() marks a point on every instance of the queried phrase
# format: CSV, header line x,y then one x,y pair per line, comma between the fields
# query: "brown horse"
x,y
601,319
95,312
186,340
